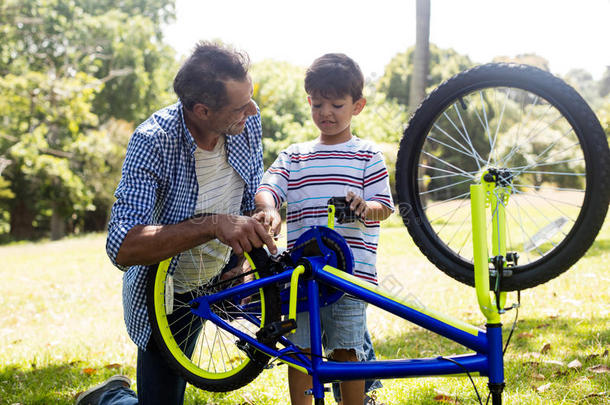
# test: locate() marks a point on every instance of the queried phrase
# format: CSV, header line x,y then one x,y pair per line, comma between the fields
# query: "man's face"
x,y
231,119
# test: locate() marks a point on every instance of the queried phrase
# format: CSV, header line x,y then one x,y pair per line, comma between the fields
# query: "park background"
x,y
77,76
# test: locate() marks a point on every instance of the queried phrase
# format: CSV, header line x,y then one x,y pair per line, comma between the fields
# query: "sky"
x,y
568,33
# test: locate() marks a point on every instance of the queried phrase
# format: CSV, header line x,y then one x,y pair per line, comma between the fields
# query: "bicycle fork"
x,y
488,307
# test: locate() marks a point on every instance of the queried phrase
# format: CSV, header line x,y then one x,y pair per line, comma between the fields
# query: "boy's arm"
x,y
376,190
272,193
267,213
375,211
370,210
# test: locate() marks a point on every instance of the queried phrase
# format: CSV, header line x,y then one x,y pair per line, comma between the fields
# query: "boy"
x,y
306,175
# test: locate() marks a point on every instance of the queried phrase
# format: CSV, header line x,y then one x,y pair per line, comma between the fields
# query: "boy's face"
x,y
333,116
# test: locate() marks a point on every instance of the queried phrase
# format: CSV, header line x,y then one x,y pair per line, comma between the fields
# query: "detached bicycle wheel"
x,y
206,355
537,131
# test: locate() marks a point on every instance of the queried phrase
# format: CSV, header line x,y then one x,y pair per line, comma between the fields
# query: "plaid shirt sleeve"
x,y
255,132
136,192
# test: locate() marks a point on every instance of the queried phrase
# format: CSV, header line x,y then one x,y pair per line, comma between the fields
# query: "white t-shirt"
x,y
220,192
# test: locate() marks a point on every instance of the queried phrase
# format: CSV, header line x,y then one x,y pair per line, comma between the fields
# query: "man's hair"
x,y
201,78
334,75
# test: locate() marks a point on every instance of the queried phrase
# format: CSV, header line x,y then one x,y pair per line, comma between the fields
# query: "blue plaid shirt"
x,y
159,186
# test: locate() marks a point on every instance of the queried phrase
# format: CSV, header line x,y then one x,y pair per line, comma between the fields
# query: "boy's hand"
x,y
270,218
357,204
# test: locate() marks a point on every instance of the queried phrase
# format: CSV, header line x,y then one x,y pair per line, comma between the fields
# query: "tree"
x,y
43,118
525,59
421,58
398,75
280,94
584,83
604,83
382,121
68,70
98,157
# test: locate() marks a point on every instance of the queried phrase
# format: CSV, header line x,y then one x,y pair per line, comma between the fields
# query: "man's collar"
x,y
185,131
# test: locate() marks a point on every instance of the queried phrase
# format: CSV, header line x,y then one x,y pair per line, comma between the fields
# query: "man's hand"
x,y
270,218
242,233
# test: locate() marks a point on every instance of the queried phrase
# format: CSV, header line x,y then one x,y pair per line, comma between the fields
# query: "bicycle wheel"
x,y
534,128
206,355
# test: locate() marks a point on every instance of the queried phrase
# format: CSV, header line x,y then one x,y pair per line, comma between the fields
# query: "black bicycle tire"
x,y
236,381
593,144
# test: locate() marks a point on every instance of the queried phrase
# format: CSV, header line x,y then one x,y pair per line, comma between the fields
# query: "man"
x,y
202,155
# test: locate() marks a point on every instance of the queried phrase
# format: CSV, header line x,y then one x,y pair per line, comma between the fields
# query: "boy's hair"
x,y
201,78
334,75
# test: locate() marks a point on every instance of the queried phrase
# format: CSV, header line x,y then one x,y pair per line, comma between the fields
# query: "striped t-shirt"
x,y
220,192
306,175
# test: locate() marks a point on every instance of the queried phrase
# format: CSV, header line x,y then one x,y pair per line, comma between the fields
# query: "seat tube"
x,y
315,330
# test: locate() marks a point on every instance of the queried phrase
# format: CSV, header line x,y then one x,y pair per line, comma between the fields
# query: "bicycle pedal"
x,y
243,345
275,330
310,391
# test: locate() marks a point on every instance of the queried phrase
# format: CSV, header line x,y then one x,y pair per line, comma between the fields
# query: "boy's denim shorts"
x,y
343,327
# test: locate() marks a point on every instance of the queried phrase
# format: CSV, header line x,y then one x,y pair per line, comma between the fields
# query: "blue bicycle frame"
x,y
487,359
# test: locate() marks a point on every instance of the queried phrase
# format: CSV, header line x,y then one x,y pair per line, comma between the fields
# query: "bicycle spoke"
x,y
543,188
550,203
467,237
452,212
465,153
493,148
555,173
553,200
528,141
446,187
525,233
476,157
462,173
446,176
427,207
447,163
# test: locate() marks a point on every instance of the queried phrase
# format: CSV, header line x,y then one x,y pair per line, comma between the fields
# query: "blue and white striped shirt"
x,y
159,186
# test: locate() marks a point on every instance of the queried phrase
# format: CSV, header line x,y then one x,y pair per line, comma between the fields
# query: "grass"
x,y
62,329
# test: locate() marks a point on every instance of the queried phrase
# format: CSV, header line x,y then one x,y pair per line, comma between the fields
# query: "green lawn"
x,y
62,329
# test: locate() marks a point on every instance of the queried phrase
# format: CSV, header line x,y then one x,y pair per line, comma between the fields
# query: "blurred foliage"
x,y
76,76
69,72
396,80
584,83
604,83
525,59
281,97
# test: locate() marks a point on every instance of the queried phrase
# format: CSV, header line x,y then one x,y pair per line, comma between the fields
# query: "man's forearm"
x,y
150,244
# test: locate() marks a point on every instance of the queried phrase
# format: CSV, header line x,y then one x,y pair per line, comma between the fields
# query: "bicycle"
x,y
227,331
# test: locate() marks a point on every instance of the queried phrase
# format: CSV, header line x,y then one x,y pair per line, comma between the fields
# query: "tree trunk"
x,y
96,221
421,58
22,217
58,223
